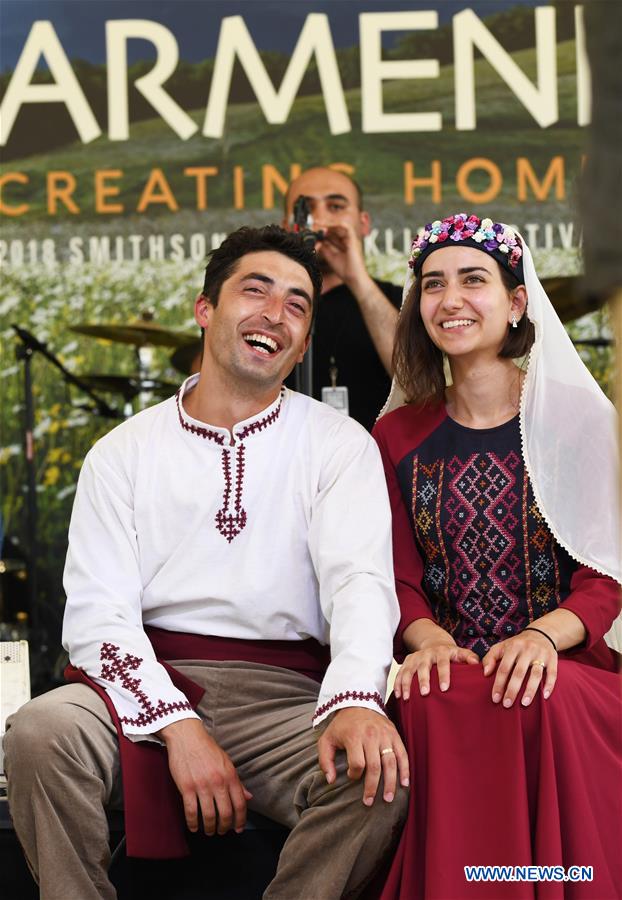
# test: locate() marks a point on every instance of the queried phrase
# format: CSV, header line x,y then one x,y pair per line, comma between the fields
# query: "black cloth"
x,y
340,332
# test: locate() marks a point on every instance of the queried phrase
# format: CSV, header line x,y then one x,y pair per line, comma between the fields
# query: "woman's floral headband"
x,y
493,237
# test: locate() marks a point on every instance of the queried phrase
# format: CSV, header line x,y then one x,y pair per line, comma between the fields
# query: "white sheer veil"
x,y
569,440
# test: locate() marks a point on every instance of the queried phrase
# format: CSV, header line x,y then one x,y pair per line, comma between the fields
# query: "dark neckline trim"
x,y
219,437
265,422
491,430
206,433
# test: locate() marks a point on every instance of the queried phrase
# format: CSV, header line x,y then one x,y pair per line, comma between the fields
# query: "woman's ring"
x,y
387,750
538,662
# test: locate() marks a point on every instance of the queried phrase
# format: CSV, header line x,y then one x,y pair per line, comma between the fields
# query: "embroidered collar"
x,y
221,436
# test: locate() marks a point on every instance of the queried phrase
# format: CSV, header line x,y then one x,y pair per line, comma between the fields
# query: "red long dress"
x,y
534,786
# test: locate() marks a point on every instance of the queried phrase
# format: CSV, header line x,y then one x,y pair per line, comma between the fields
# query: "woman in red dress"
x,y
506,544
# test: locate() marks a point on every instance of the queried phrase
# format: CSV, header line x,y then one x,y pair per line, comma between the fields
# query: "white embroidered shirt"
x,y
279,530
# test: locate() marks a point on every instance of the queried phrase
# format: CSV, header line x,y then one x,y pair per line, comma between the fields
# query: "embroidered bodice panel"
x,y
490,562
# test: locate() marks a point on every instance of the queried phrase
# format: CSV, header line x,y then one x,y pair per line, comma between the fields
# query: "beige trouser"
x,y
62,764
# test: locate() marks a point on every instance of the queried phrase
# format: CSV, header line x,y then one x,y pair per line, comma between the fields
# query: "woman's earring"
x,y
514,322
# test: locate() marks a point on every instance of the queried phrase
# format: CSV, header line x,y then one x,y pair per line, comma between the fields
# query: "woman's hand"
x,y
526,656
440,652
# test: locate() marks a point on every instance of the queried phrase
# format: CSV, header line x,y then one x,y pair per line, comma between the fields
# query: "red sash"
x,y
155,826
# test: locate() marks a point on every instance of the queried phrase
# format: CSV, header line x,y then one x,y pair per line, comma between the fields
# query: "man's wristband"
x,y
547,636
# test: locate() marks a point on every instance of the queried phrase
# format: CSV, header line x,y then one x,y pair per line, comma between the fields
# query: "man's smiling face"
x,y
259,328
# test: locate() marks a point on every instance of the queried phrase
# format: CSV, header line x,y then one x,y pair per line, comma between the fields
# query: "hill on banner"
x,y
505,131
41,128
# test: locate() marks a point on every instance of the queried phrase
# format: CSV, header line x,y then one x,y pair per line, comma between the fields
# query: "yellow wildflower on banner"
x,y
51,476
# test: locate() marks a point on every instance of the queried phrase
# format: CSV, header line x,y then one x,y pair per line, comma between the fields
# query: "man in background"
x,y
357,315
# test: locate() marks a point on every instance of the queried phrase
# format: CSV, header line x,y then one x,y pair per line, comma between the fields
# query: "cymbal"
x,y
138,333
184,357
128,386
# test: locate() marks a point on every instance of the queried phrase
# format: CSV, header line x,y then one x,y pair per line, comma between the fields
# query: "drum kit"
x,y
143,334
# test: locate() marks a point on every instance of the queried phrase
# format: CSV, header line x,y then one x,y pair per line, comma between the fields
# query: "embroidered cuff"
x,y
135,735
369,699
161,711
116,669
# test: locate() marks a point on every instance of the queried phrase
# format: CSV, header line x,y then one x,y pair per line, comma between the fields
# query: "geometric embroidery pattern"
x,y
117,668
349,695
205,433
260,424
231,518
490,561
231,524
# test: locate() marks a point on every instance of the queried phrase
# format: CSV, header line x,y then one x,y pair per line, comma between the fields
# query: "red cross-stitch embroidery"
x,y
261,423
231,524
118,668
349,695
206,433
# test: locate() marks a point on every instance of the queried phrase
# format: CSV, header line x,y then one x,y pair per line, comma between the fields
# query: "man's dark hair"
x,y
223,261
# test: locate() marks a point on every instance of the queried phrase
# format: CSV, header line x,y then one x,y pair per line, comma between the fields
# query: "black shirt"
x,y
340,332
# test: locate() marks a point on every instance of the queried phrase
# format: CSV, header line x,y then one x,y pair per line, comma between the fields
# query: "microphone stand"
x,y
24,352
304,370
32,345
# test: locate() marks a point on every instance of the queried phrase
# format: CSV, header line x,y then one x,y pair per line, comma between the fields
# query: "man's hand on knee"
x,y
372,746
205,777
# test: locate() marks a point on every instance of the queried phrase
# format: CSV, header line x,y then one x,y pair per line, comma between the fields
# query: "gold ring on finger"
x,y
387,750
538,662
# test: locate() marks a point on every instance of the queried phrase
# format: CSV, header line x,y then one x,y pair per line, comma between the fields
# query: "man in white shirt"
x,y
241,533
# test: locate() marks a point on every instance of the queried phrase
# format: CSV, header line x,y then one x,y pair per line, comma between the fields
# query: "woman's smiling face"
x,y
465,306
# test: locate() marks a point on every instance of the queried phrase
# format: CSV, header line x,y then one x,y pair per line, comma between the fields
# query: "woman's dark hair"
x,y
223,261
418,362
